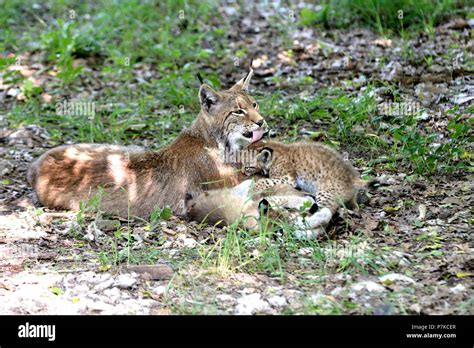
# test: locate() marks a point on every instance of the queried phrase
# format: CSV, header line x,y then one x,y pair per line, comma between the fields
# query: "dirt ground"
x,y
408,250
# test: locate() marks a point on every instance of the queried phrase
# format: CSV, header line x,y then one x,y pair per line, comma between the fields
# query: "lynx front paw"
x,y
304,231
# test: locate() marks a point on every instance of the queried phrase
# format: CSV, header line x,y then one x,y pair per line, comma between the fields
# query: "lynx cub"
x,y
310,167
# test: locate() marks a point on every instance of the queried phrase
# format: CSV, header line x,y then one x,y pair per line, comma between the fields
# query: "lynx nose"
x,y
260,123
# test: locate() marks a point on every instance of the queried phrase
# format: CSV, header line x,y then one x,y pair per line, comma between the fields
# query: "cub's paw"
x,y
304,231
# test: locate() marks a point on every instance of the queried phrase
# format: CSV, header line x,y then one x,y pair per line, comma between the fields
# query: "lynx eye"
x,y
255,106
249,169
239,112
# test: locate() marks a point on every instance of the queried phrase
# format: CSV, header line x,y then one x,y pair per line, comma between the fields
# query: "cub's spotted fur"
x,y
135,181
311,167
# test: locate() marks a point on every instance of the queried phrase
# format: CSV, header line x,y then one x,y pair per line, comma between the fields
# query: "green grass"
x,y
359,123
385,16
105,42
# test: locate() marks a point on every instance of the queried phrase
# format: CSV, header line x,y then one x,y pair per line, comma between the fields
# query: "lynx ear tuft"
x,y
243,84
208,97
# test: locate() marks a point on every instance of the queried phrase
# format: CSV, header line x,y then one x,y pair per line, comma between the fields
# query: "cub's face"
x,y
259,163
232,116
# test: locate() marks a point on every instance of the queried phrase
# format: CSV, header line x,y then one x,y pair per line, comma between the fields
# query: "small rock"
x,y
336,291
100,306
395,277
125,281
181,228
251,304
13,92
458,289
186,242
382,42
444,214
392,71
92,232
104,285
368,285
422,212
307,251
391,181
277,301
113,294
225,298
159,290
415,308
5,168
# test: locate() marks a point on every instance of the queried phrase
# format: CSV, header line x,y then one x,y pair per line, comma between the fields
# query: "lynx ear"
x,y
243,84
265,156
208,97
263,206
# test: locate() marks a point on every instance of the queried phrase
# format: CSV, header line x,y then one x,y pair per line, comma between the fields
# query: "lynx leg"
x,y
263,184
313,226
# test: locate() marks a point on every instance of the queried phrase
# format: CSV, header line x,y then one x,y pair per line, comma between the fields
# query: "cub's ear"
x,y
265,156
208,97
264,206
243,84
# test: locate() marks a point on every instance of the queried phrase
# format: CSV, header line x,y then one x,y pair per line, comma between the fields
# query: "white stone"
x,y
336,291
159,290
368,285
104,285
225,298
251,304
457,289
396,277
277,301
125,281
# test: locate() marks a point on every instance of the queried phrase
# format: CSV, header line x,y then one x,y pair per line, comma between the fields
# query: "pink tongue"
x,y
257,135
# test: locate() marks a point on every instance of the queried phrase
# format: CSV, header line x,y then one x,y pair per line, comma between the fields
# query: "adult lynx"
x,y
135,181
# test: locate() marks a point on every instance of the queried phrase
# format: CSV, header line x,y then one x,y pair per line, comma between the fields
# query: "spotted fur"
x,y
311,167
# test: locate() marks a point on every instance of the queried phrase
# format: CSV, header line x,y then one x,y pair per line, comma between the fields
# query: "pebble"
x,y
457,289
125,281
422,212
396,277
225,298
368,285
415,308
251,304
186,242
307,251
104,285
392,181
277,301
159,290
113,294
